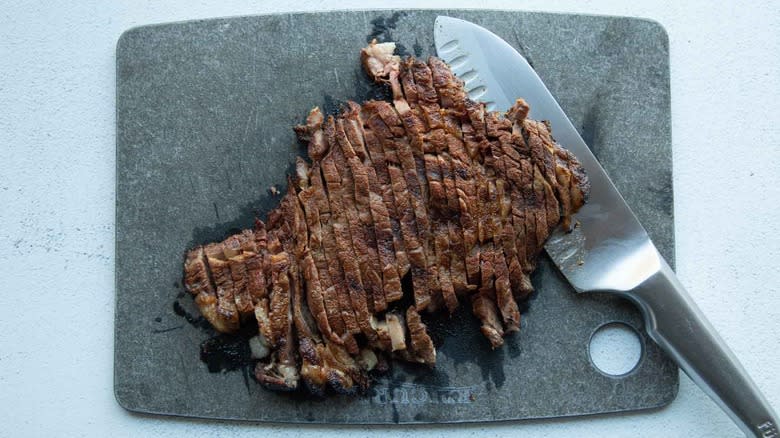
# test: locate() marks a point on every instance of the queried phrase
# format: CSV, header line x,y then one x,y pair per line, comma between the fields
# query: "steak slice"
x,y
256,265
197,281
223,281
239,249
279,305
260,278
422,349
484,301
240,276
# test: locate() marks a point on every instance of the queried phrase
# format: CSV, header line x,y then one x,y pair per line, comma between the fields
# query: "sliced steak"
x,y
376,158
330,263
377,114
282,371
361,219
349,257
427,187
379,215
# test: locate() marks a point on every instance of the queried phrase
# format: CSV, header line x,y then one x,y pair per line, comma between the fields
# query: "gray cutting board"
x,y
204,117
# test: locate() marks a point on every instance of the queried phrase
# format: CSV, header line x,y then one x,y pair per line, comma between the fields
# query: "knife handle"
x,y
674,321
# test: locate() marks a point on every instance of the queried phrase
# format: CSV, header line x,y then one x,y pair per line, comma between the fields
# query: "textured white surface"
x,y
615,349
57,210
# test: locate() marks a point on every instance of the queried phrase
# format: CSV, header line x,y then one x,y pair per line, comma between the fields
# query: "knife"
x,y
610,251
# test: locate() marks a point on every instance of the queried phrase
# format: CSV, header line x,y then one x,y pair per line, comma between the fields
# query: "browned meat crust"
x,y
430,187
422,349
223,283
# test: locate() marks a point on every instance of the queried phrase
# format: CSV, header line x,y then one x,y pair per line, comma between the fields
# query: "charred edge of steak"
x,y
429,187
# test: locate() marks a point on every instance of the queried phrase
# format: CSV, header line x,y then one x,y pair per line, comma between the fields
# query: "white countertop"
x,y
57,177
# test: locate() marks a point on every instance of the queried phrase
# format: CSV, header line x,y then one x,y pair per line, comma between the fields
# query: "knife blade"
x,y
609,251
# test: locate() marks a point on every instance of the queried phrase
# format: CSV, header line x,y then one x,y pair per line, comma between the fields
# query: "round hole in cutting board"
x,y
615,349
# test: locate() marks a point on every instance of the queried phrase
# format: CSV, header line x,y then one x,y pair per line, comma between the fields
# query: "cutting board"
x,y
205,111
